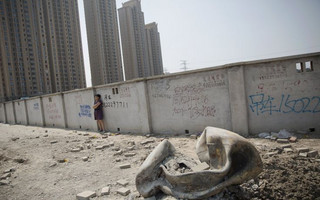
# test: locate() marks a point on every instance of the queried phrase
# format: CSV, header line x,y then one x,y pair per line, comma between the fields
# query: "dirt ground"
x,y
46,168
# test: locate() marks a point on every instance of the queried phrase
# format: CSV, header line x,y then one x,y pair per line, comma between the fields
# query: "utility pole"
x,y
184,63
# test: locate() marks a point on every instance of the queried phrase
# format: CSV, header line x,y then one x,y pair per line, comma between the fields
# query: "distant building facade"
x,y
40,48
103,41
133,40
154,49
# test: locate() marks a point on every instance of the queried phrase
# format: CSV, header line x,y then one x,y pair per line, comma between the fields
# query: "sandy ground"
x,y
51,171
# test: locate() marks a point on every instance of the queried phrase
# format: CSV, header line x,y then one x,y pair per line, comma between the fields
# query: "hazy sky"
x,y
207,33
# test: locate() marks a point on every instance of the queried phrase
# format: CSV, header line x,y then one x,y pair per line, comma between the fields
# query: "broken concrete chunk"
x,y
201,167
86,158
115,149
53,164
122,182
99,147
104,137
302,150
129,154
293,139
5,176
86,195
4,182
15,138
285,146
312,154
147,142
111,144
105,191
46,135
76,150
131,148
288,150
282,141
118,153
118,159
272,153
53,141
303,154
123,191
125,166
10,170
85,134
193,136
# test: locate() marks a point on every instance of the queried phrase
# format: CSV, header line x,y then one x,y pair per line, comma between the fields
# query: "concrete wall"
x,y
54,113
248,97
35,112
189,103
79,113
280,97
10,114
2,113
20,112
125,107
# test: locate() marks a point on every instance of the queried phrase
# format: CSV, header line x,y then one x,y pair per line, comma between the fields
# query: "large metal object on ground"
x,y
230,160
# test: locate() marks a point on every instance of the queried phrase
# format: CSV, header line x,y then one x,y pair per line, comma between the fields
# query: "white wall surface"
x,y
54,111
34,109
10,113
2,113
20,112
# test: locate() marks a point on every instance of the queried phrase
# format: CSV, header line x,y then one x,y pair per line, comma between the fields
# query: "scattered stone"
x,y
104,137
123,191
264,135
193,136
74,131
15,138
53,141
131,148
132,143
86,158
20,160
4,182
10,170
117,153
200,167
37,137
302,150
62,160
105,191
125,166
293,139
85,134
122,182
116,149
148,135
111,144
79,133
282,141
5,176
99,147
303,154
285,146
53,164
147,142
46,131
129,154
76,150
148,147
86,195
106,145
118,159
271,153
88,146
46,135
288,150
312,154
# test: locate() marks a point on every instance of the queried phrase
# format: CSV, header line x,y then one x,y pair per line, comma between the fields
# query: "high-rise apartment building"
x,y
133,40
40,48
154,49
103,41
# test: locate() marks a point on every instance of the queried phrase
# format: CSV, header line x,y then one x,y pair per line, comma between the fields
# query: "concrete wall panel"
x,y
79,113
125,107
34,109
2,113
280,97
189,103
10,115
20,112
54,111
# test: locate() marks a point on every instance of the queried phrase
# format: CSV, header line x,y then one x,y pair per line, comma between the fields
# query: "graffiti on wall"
x,y
272,72
36,106
124,92
266,104
109,102
85,111
52,111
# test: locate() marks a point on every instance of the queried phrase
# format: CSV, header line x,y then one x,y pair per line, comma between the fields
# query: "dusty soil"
x,y
45,170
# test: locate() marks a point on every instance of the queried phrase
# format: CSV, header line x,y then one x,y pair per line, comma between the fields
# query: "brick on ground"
x,y
123,191
303,154
86,195
125,166
105,191
293,139
302,150
118,153
312,154
76,150
285,146
86,158
288,150
129,154
200,167
53,141
123,182
99,147
272,153
282,141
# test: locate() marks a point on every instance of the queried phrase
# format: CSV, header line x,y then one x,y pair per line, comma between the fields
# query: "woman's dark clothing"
x,y
98,113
